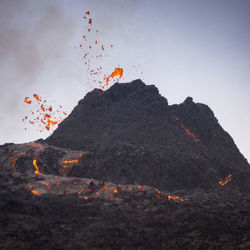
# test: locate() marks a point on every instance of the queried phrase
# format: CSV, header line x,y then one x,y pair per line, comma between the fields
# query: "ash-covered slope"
x,y
131,135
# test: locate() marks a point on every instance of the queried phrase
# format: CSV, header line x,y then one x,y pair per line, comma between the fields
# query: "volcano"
x,y
126,170
133,136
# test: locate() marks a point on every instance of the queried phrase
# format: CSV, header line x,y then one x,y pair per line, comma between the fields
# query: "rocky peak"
x,y
134,136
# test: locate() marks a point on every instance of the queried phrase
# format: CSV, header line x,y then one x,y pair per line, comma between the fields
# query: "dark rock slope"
x,y
131,135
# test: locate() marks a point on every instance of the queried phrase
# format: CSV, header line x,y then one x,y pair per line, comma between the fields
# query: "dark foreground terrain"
x,y
138,220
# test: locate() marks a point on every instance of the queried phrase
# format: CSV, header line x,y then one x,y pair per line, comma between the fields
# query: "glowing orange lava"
x,y
50,122
37,97
35,192
15,152
170,197
190,134
228,178
36,167
66,162
93,54
44,115
117,72
26,100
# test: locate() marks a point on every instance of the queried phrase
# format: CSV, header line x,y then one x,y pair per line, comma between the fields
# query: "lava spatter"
x,y
43,115
117,72
93,56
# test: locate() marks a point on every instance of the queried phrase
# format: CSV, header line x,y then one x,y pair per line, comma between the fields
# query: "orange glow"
x,y
66,162
50,122
12,155
26,100
42,108
45,183
35,192
170,197
105,187
37,97
45,116
228,178
92,56
36,167
141,187
193,136
85,197
81,191
115,191
117,72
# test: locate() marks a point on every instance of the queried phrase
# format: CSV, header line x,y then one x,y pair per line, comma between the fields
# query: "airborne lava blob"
x,y
93,55
117,72
43,115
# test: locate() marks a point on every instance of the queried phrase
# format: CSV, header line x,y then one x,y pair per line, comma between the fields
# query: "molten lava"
x,y
189,133
43,115
15,152
93,55
26,100
228,178
50,122
170,197
35,192
117,72
37,97
36,167
66,162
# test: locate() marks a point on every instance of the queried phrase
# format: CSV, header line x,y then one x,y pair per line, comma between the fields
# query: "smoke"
x,y
30,37
34,35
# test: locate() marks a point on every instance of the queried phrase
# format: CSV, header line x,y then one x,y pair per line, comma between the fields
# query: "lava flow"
x,y
170,197
193,136
189,133
66,162
162,195
228,178
13,161
36,167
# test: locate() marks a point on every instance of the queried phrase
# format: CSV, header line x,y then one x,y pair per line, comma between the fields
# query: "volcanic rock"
x,y
132,135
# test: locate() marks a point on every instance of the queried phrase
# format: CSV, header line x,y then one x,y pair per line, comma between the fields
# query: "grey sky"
x,y
198,48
